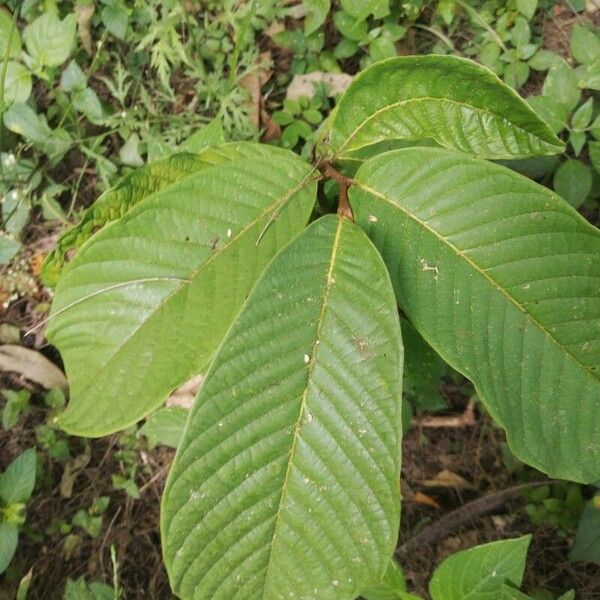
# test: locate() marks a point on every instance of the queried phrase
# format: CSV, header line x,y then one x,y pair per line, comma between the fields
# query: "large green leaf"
x,y
502,278
16,483
9,536
128,192
480,572
145,303
286,483
450,100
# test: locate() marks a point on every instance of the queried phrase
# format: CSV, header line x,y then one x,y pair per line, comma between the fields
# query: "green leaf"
x,y
587,540
129,152
287,476
316,13
5,27
165,426
361,9
423,97
561,84
21,119
117,201
87,102
209,135
479,573
8,248
9,535
423,370
16,483
73,78
527,8
49,40
511,593
349,27
16,404
583,115
115,19
590,78
17,85
543,59
573,181
585,45
143,306
81,590
577,140
594,151
391,587
552,111
502,278
520,33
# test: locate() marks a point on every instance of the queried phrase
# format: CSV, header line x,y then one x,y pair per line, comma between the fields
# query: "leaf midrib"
x,y
423,99
302,410
460,254
273,208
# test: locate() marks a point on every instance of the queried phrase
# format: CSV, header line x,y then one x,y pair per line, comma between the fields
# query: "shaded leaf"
x,y
9,536
573,181
165,426
287,476
587,540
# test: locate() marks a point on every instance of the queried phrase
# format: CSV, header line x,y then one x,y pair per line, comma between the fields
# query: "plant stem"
x,y
344,208
3,79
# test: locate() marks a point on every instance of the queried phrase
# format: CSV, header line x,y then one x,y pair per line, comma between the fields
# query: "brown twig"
x,y
344,208
464,515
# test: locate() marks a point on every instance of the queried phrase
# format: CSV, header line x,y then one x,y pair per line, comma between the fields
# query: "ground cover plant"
x,y
324,289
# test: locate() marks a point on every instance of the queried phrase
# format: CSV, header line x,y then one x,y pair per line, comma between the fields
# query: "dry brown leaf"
x,y
32,365
84,14
36,262
271,130
72,470
447,478
421,498
304,85
185,394
253,81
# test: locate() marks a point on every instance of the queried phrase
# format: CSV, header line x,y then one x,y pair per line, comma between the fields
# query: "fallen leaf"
x,y
253,81
36,262
84,14
72,470
271,130
304,85
421,498
447,478
185,394
32,365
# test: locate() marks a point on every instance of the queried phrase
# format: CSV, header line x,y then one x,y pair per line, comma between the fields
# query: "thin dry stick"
x,y
464,515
